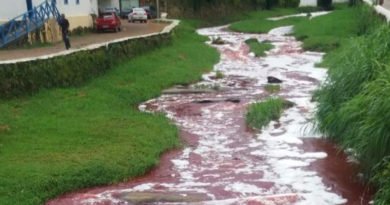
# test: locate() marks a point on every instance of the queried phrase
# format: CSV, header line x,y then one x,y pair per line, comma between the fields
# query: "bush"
x,y
289,3
71,70
325,4
260,114
382,178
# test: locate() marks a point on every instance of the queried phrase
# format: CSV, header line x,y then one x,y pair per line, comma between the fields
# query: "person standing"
x,y
64,24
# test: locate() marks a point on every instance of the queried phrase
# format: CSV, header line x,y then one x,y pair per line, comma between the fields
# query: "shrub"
x,y
260,114
272,88
289,3
71,70
325,4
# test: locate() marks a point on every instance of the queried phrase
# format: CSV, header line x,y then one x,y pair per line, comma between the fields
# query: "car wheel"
x,y
117,29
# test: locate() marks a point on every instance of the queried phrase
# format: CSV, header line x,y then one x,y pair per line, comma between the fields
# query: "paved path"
x,y
128,30
226,163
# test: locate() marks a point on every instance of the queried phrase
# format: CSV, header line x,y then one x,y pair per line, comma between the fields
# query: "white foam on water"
x,y
275,154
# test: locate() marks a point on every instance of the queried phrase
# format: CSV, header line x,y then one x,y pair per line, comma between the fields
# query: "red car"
x,y
108,21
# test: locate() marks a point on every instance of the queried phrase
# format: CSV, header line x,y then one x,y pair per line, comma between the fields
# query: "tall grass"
x,y
260,114
354,103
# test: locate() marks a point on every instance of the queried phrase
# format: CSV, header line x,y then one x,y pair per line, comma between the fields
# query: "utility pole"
x,y
158,8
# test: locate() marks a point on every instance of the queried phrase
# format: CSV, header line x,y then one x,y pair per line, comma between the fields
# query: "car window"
x,y
107,15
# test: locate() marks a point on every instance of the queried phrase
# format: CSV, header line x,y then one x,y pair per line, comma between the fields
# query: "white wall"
x,y
314,2
108,4
9,9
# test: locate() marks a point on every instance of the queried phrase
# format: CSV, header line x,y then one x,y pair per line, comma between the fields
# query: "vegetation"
x,y
354,105
217,9
272,88
257,22
260,114
258,48
328,32
219,75
325,4
70,70
324,33
68,138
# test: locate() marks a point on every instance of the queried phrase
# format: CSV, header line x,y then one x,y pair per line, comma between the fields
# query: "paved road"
x,y
128,29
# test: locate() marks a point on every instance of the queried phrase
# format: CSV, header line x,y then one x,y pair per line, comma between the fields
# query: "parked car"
x,y
151,11
138,14
108,21
125,13
111,10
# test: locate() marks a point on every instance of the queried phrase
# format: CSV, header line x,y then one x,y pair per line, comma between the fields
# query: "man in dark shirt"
x,y
64,24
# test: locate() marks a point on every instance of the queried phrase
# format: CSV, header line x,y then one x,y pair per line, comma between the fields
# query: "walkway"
x,y
128,30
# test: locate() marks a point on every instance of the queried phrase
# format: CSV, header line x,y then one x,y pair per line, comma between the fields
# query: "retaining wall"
x,y
74,67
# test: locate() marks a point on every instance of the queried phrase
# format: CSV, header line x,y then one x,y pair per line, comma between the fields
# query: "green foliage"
x,y
219,75
382,178
328,32
258,23
354,104
289,3
272,88
79,31
260,114
258,48
325,4
70,70
63,139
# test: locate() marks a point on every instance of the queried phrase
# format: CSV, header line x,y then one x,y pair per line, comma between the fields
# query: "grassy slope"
x,y
324,33
257,21
258,48
328,32
65,139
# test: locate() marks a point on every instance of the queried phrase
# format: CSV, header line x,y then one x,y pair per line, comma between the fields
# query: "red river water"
x,y
224,162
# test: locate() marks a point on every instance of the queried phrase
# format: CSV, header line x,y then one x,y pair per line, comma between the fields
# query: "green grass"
x,y
258,48
65,139
257,22
324,33
354,104
271,88
260,114
328,32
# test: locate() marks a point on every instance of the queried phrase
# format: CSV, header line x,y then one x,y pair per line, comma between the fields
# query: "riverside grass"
x,y
354,103
64,139
323,33
258,48
262,113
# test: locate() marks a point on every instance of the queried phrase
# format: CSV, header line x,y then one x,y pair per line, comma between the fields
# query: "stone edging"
x,y
379,9
167,29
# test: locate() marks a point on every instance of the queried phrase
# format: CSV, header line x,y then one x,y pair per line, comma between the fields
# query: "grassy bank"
x,y
324,33
65,139
354,103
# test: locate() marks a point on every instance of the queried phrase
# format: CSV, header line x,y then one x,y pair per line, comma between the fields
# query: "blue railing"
x,y
30,21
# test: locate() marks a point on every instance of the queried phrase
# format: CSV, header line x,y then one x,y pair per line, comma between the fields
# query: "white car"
x,y
138,14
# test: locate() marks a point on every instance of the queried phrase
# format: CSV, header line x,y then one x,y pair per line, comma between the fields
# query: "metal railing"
x,y
28,22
